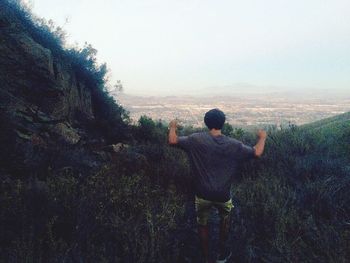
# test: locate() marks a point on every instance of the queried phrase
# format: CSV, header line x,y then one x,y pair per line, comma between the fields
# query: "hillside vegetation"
x,y
333,126
79,183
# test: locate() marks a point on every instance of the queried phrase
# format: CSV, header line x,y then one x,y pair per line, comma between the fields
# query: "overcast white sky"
x,y
163,47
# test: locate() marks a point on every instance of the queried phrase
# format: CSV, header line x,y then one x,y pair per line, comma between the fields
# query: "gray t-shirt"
x,y
214,161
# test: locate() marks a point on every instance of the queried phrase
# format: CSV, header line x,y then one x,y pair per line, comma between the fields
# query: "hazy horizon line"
x,y
215,91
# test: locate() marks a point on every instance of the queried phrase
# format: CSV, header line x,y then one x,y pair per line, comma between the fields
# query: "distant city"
x,y
241,111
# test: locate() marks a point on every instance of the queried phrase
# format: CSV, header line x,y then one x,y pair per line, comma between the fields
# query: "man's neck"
x,y
215,132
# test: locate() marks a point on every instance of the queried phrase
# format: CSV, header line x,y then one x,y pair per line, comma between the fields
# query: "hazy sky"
x,y
186,46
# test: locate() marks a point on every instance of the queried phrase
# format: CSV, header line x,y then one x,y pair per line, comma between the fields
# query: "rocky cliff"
x,y
43,99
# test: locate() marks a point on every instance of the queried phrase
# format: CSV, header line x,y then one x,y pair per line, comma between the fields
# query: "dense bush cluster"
x,y
293,203
116,215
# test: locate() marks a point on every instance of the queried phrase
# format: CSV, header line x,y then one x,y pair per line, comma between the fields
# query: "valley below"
x,y
241,111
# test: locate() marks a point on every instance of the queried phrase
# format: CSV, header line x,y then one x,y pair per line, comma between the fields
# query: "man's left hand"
x,y
173,124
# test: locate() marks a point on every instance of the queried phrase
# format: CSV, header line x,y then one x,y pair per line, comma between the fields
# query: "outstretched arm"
x,y
172,138
260,145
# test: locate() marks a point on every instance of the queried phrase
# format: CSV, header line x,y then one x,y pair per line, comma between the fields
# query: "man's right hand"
x,y
262,134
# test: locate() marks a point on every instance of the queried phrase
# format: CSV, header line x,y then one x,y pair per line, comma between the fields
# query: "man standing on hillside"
x,y
214,159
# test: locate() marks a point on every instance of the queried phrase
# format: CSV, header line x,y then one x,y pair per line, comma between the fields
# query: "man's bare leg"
x,y
203,232
224,229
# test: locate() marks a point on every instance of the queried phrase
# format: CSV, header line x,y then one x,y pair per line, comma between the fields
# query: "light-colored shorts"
x,y
203,209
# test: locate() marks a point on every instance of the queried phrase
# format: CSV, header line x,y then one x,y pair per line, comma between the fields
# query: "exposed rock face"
x,y
41,97
29,72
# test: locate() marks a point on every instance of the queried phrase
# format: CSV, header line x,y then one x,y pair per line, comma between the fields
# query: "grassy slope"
x,y
339,121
